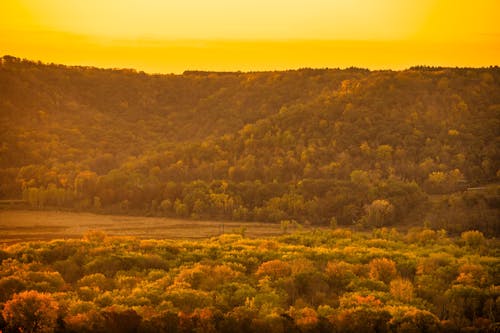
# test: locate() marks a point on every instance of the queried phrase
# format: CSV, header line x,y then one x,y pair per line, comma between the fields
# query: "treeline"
x,y
308,201
322,281
309,145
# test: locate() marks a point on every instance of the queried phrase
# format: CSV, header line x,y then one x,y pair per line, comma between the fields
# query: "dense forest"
x,y
348,147
321,281
359,151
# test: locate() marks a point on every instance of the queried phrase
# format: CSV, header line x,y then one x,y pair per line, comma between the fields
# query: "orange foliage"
x,y
31,311
275,269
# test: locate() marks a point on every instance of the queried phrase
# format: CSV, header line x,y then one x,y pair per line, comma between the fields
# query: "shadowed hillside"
x,y
314,146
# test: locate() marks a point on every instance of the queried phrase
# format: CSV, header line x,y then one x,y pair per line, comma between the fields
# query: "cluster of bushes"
x,y
319,281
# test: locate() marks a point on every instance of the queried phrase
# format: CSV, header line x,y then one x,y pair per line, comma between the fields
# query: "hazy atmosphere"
x,y
172,36
249,166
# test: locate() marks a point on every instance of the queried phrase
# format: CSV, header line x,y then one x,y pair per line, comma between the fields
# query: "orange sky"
x,y
161,36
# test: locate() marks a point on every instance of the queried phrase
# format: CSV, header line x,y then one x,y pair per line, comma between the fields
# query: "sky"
x,y
170,36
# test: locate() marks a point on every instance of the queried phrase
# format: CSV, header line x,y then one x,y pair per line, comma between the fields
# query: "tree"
x,y
180,208
402,290
165,206
415,320
31,311
379,213
383,269
275,269
360,177
384,152
127,321
10,285
473,275
363,319
306,319
85,183
464,303
96,280
473,238
339,274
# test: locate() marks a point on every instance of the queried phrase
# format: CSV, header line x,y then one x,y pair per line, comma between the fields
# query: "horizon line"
x,y
208,71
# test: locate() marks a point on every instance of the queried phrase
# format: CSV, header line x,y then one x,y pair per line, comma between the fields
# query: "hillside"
x,y
314,145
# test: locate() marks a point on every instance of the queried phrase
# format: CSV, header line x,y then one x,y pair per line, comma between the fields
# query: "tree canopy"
x,y
315,281
307,145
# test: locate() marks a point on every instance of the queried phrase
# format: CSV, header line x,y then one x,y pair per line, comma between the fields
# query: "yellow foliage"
x,y
402,289
383,269
275,269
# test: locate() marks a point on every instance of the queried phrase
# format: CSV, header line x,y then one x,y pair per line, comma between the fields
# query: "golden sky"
x,y
164,36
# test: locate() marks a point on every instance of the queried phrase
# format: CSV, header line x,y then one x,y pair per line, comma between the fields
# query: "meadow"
x,y
33,225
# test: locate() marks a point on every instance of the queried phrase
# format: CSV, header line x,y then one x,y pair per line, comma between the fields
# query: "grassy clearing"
x,y
24,225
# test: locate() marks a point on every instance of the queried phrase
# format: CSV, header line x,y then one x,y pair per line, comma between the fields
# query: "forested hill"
x,y
311,145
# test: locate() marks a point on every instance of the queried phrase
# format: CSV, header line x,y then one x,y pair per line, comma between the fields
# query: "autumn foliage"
x,y
358,147
315,281
31,311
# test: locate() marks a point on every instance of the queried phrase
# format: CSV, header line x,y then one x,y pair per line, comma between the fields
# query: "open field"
x,y
25,225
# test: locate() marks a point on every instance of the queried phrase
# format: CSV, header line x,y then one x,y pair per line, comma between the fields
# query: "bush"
x,y
31,311
473,238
